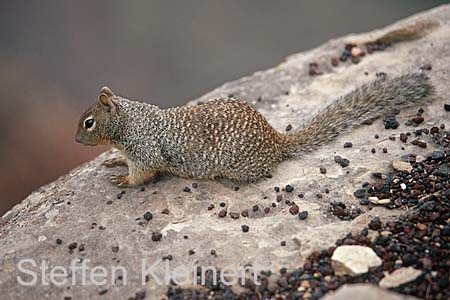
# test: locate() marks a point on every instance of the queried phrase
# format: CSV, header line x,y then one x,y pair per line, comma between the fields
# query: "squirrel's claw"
x,y
114,162
120,180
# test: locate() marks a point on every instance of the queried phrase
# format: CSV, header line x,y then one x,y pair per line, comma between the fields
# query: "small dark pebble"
x,y
289,127
348,145
244,213
140,295
289,188
266,210
148,216
323,170
255,207
334,61
211,206
390,122
417,120
234,215
409,259
343,162
373,150
73,246
293,210
419,143
426,67
156,236
283,243
279,197
447,107
222,204
191,252
313,69
377,175
115,249
385,150
165,211
58,241
222,213
194,185
303,215
245,228
403,137
186,189
103,291
375,223
360,193
364,201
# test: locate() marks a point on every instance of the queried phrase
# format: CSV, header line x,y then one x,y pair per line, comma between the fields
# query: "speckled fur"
x,y
227,137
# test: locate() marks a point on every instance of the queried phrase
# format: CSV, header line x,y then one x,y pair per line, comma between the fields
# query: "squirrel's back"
x,y
220,138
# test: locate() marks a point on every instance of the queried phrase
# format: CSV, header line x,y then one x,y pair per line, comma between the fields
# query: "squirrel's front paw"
x,y
120,180
115,162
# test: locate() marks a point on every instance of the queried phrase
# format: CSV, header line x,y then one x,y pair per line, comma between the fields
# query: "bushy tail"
x,y
365,103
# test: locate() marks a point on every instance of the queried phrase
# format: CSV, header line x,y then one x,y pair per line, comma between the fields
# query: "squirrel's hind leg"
x,y
115,162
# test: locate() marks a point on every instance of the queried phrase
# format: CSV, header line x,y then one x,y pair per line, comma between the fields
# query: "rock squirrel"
x,y
228,137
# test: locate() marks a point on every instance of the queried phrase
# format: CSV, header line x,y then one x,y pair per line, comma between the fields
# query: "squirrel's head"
x,y
97,124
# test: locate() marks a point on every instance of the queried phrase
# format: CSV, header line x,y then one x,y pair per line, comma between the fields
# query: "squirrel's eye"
x,y
89,123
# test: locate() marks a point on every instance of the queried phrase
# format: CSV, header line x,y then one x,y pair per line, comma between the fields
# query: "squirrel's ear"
x,y
106,90
106,99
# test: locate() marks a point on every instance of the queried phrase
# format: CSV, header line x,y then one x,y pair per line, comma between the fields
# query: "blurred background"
x,y
55,56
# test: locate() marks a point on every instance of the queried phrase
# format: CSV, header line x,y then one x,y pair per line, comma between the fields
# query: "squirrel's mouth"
x,y
80,139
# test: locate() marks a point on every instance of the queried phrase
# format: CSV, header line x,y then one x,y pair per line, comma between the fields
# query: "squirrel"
x,y
228,138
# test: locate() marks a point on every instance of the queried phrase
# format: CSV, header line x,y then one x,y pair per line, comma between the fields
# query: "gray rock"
x,y
80,214
437,155
354,260
365,292
402,166
399,277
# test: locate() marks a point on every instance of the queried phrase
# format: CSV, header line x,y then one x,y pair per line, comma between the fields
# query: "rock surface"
x,y
81,215
354,260
364,292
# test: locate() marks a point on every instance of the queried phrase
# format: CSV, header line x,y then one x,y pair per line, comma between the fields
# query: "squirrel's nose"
x,y
78,138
